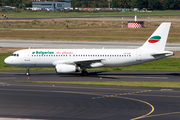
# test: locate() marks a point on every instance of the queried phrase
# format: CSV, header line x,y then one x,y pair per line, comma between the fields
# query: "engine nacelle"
x,y
65,68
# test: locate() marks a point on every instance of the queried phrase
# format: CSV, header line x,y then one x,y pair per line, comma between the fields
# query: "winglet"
x,y
157,41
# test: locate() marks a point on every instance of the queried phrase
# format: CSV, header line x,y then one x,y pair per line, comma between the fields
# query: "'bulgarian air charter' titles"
x,y
49,52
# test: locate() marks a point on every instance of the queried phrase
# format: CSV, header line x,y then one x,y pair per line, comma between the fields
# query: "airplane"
x,y
76,60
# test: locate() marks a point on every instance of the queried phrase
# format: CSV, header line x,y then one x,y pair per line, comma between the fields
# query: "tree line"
x,y
149,4
16,3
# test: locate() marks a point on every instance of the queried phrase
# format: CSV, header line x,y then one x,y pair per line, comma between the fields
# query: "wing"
x,y
82,63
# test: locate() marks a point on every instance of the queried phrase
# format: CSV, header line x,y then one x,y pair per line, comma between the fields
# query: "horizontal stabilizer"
x,y
166,53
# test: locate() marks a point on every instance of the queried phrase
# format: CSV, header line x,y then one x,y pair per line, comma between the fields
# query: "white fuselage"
x,y
51,57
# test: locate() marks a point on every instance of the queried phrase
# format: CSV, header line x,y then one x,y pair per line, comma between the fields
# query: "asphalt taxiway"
x,y
107,18
83,102
78,45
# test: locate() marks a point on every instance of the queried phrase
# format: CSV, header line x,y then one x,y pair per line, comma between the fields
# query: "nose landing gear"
x,y
27,72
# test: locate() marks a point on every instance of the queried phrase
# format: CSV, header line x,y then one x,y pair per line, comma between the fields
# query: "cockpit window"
x,y
17,55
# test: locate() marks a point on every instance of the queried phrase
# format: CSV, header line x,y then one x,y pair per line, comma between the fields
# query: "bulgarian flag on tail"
x,y
154,39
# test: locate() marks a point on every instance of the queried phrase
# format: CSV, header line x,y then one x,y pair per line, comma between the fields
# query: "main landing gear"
x,y
27,72
84,73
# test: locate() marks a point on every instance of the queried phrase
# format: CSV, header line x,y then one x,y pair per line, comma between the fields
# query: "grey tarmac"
x,y
78,45
109,18
22,101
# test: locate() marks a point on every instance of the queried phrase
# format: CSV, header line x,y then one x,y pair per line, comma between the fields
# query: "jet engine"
x,y
66,68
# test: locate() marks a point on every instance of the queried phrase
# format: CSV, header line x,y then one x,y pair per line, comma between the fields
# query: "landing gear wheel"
x,y
84,73
27,72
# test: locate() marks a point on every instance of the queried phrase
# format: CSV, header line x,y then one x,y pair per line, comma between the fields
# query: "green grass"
x,y
167,64
114,83
83,14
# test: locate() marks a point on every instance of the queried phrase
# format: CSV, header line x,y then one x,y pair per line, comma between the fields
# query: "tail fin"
x,y
157,40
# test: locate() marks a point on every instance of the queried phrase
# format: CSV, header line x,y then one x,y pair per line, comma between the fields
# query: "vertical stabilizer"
x,y
157,41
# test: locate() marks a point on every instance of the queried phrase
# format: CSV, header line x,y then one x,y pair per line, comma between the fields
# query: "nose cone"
x,y
7,60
